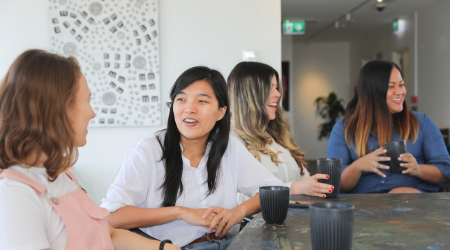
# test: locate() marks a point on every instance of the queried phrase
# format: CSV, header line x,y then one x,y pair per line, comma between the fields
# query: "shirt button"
x,y
382,181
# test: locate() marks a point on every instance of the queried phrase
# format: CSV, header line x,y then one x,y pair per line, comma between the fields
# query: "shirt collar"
x,y
202,161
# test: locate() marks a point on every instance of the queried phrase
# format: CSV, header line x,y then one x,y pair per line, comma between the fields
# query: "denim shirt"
x,y
429,148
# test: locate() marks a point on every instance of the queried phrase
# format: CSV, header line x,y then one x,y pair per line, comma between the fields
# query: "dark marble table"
x,y
382,221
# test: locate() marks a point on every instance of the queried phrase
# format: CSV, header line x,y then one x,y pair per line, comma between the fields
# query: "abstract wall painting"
x,y
116,43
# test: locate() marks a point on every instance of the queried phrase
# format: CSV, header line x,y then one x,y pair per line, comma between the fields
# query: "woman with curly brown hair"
x,y
44,114
262,126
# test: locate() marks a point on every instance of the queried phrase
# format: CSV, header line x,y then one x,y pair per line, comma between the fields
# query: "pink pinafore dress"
x,y
85,222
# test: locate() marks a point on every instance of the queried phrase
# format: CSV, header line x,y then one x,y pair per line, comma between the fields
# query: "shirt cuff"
x,y
112,207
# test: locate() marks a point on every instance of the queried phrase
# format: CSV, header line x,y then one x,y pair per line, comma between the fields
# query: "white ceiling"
x,y
325,12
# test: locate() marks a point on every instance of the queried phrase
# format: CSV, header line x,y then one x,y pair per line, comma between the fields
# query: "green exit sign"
x,y
395,27
293,28
398,26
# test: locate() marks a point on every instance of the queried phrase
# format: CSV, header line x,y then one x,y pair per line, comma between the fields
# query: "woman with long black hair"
x,y
167,182
378,114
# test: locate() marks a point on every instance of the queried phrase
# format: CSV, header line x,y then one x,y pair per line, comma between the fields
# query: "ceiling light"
x,y
348,18
380,1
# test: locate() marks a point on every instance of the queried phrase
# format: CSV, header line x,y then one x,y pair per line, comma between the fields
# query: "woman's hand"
x,y
196,217
412,168
369,162
311,186
224,219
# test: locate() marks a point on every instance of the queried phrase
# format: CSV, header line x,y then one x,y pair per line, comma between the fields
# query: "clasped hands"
x,y
215,218
369,163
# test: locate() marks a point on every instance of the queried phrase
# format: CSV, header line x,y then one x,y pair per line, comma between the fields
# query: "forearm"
x,y
123,239
133,217
250,206
295,188
432,174
350,177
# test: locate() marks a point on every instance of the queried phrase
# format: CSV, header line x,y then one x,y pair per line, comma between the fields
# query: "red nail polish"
x,y
328,176
332,187
324,195
329,191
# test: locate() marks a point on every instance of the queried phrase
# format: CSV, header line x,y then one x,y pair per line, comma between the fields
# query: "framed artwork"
x,y
117,46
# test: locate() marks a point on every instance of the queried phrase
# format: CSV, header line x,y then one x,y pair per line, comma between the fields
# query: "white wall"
x,y
23,25
195,32
319,68
383,41
434,63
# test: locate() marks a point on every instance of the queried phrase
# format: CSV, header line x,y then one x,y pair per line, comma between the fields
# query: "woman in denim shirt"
x,y
378,114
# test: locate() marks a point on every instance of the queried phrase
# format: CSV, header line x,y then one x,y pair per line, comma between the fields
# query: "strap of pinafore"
x,y
70,175
8,173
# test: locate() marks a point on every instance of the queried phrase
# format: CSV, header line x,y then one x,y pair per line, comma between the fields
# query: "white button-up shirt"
x,y
142,173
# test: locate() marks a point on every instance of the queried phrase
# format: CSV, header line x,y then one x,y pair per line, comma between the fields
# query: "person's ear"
x,y
222,112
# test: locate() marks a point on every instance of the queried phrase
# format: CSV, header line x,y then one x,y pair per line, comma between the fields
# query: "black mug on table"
x,y
331,167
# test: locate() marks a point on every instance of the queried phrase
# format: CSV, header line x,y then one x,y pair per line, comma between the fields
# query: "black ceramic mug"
x,y
331,225
274,201
394,150
331,167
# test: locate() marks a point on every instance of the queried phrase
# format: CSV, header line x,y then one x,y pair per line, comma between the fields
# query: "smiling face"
x,y
81,113
396,92
196,110
274,97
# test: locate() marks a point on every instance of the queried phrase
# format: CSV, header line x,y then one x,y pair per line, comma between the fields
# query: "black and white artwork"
x,y
116,43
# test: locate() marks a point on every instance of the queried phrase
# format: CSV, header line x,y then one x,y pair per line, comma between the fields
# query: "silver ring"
x,y
226,223
376,164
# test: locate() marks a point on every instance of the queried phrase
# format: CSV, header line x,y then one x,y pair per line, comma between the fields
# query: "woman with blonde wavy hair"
x,y
44,114
260,123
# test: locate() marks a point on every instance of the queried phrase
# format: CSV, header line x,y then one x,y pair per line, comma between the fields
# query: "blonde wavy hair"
x,y
249,86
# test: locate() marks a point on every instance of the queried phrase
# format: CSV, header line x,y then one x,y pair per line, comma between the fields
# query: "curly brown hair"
x,y
35,95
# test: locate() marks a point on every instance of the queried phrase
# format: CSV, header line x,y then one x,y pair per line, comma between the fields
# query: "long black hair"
x,y
368,110
172,186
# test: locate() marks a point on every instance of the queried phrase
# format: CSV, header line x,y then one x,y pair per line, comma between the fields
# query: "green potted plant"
x,y
329,108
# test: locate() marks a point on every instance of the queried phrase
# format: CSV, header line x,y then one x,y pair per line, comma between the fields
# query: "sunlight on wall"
x,y
319,68
311,86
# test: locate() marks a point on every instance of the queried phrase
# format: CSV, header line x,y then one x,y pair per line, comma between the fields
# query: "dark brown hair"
x,y
35,95
368,110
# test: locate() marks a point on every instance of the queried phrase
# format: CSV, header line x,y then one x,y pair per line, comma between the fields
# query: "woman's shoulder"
x,y
60,186
234,142
340,125
148,144
12,186
342,122
421,117
236,148
235,136
13,192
